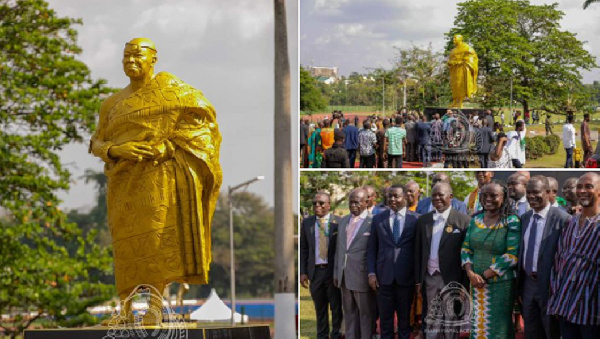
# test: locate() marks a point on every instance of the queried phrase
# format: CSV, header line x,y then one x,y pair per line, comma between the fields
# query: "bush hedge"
x,y
539,145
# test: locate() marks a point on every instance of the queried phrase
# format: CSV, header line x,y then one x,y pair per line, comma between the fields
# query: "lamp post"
x,y
231,249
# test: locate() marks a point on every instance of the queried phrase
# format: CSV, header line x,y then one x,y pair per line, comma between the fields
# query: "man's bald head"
x,y
357,201
142,43
440,177
371,195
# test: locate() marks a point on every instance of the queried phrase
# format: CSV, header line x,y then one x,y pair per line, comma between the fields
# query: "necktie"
x,y
531,245
322,239
396,228
350,231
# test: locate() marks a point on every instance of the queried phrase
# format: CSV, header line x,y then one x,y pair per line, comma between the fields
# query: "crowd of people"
x,y
509,249
390,142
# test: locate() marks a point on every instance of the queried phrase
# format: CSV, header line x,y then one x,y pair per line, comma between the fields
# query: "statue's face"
x,y
457,39
137,61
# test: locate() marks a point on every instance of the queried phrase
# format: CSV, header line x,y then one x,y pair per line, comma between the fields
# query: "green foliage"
x,y
310,97
425,71
253,222
553,142
539,146
339,184
47,100
524,42
587,3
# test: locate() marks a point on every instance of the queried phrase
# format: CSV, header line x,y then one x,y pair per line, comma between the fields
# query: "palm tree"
x,y
589,2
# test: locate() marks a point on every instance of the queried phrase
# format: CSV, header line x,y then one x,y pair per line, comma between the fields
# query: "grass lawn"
x,y
308,317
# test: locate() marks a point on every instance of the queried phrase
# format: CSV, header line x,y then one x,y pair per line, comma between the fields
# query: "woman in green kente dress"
x,y
489,255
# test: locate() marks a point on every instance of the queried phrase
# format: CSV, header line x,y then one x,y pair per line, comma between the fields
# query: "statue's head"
x,y
139,58
457,39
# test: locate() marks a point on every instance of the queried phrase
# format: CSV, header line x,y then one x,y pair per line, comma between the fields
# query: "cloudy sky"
x,y
224,48
359,34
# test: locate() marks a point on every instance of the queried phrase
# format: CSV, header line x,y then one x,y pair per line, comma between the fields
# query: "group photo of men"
x,y
480,254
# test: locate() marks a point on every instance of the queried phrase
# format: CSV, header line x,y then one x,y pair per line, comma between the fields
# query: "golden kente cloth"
x,y
463,77
160,214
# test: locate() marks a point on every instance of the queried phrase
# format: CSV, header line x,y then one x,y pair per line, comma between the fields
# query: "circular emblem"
x,y
449,229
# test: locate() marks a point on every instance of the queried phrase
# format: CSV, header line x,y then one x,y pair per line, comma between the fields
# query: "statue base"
x,y
430,111
193,331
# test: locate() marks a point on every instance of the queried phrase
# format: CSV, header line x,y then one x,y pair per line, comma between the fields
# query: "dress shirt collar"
x,y
443,215
361,216
544,212
326,217
401,212
522,200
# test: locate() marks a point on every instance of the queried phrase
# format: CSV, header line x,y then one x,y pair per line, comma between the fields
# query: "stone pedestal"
x,y
193,332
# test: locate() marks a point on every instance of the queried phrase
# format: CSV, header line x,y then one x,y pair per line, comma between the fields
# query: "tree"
x,y
425,70
587,3
524,43
47,100
311,99
253,238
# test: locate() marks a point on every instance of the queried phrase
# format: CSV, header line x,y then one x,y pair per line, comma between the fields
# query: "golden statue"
x,y
160,142
463,71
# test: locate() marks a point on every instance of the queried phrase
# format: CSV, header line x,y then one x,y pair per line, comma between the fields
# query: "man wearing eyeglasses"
x,y
317,249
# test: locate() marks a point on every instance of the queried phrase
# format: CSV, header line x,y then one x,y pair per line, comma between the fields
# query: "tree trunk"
x,y
284,225
525,104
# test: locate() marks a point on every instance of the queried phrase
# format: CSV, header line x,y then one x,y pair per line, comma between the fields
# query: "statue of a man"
x,y
160,143
463,71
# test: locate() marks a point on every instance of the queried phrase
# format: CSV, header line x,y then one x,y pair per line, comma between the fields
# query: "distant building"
x,y
326,75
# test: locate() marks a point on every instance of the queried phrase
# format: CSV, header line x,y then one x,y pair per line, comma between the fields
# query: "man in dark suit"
x,y
485,139
350,266
425,204
424,140
441,231
540,232
390,263
317,250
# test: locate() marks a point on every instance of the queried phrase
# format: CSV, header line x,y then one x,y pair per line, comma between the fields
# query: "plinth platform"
x,y
191,332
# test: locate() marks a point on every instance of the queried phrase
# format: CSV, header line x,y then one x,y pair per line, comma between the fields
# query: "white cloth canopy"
x,y
215,310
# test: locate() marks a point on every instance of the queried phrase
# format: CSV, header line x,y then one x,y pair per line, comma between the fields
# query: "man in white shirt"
x,y
517,184
569,140
540,232
439,237
516,144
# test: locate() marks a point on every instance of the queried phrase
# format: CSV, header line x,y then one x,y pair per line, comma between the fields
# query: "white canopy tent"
x,y
215,310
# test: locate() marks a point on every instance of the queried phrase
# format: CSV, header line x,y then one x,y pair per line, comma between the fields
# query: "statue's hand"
x,y
132,151
162,152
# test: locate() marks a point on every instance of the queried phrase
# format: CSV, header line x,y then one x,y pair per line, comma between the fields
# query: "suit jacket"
x,y
350,263
486,135
423,206
555,220
449,248
308,243
383,249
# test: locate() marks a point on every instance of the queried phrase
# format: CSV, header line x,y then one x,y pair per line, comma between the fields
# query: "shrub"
x,y
553,142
